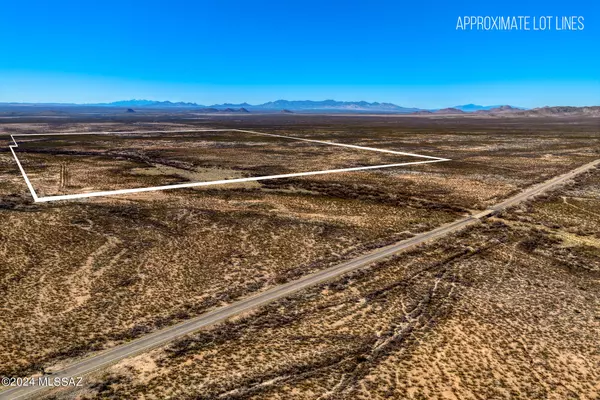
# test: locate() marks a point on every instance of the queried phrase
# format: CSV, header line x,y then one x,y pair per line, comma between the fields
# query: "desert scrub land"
x,y
78,277
82,163
504,310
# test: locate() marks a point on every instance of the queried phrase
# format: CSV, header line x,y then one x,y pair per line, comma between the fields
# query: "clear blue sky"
x,y
405,52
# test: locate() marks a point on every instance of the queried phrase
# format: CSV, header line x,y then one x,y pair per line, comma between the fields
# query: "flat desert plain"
x,y
504,309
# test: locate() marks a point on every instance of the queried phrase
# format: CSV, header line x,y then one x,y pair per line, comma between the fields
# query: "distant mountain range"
x,y
325,106
305,105
311,105
332,105
294,105
145,103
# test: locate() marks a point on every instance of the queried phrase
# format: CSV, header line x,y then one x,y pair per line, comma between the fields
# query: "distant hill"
x,y
476,107
449,111
470,109
561,111
500,110
542,112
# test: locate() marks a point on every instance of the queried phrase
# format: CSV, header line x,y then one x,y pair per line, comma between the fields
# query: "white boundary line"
x,y
38,199
12,148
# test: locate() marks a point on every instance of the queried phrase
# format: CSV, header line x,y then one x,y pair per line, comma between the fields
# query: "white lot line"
x,y
345,145
12,148
38,199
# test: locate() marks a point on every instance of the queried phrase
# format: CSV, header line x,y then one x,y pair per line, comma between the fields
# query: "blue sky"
x,y
206,51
